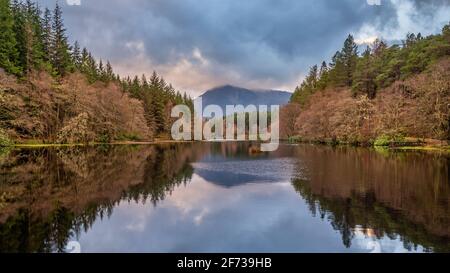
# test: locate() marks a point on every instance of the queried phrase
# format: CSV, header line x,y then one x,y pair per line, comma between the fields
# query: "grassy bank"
x,y
383,142
46,145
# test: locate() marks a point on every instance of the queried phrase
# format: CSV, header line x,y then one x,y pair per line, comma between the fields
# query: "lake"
x,y
223,197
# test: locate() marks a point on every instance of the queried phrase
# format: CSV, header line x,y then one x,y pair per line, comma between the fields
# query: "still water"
x,y
217,197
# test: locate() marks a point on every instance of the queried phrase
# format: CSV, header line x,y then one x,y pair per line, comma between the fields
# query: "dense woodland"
x,y
385,92
34,47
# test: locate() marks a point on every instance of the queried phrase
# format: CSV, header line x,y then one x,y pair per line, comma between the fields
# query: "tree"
x,y
337,76
47,34
364,76
92,69
156,86
446,33
307,87
34,47
288,115
76,56
8,51
101,71
109,72
323,76
60,48
19,31
349,55
135,88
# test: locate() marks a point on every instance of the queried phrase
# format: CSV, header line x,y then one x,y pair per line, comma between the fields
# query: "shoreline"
x,y
49,145
412,144
426,147
429,145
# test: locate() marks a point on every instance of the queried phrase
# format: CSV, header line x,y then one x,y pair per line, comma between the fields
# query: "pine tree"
x,y
157,106
19,31
109,72
92,69
378,48
135,88
349,57
8,52
47,35
101,71
60,48
323,76
337,75
364,76
33,37
76,56
84,67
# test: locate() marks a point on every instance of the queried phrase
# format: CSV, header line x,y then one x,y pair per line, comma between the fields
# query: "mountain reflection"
x,y
50,196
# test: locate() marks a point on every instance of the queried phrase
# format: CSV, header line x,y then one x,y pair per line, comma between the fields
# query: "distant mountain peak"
x,y
233,95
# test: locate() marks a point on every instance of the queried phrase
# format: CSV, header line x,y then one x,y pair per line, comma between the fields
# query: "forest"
x,y
53,91
386,94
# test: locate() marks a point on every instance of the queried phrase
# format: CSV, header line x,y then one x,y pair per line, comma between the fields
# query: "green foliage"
x,y
157,97
8,49
388,140
128,136
382,141
5,141
60,58
378,67
32,40
295,139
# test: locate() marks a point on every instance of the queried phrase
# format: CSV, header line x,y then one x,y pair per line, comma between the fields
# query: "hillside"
x,y
52,91
383,96
231,95
69,111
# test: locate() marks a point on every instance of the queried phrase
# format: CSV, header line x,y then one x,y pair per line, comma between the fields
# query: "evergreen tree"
x,y
101,71
323,76
84,66
92,69
337,75
60,48
157,106
47,35
76,56
135,88
109,72
8,51
33,37
19,31
364,76
349,55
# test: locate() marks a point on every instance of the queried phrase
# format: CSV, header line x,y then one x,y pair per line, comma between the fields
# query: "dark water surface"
x,y
217,197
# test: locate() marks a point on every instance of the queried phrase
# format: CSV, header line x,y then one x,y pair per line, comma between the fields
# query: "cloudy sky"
x,y
200,44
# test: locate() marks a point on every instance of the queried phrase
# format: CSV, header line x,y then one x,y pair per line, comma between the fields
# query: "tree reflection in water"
x,y
50,196
393,194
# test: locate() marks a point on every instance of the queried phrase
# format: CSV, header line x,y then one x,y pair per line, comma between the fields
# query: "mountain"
x,y
232,95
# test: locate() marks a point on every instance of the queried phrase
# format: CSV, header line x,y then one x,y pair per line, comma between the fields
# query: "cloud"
x,y
427,17
73,2
197,44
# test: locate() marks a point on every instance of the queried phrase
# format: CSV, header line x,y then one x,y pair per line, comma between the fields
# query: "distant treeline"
x,y
35,40
377,67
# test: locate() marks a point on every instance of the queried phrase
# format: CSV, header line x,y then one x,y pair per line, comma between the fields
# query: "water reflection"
x,y
207,197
